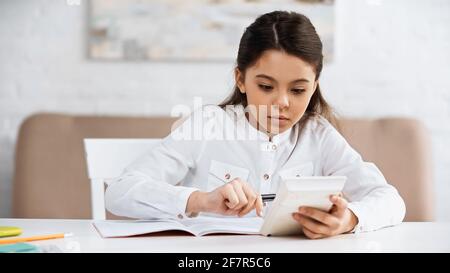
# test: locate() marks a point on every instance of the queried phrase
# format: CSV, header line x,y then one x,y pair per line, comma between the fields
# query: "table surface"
x,y
406,237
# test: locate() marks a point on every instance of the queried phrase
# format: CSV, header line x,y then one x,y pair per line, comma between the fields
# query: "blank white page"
x,y
203,225
124,228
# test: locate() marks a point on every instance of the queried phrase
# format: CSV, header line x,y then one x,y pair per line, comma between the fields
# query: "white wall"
x,y
393,58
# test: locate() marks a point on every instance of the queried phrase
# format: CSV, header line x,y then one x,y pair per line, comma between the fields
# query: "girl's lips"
x,y
280,118
279,121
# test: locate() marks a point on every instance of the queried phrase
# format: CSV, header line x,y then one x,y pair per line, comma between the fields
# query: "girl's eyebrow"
x,y
272,79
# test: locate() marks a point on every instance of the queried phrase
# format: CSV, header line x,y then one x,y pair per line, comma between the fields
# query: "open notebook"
x,y
293,193
199,226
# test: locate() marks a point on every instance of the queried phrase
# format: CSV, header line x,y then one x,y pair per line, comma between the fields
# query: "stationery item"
x,y
9,231
293,193
19,248
314,191
34,238
198,226
268,197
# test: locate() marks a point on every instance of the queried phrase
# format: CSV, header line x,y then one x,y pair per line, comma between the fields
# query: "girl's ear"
x,y
239,77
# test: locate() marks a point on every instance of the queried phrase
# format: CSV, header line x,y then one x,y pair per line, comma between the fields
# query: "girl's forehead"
x,y
279,64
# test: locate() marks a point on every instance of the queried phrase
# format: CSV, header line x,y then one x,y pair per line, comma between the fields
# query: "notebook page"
x,y
203,225
123,228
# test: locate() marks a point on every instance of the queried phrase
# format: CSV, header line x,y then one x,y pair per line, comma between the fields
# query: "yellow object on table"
x,y
10,231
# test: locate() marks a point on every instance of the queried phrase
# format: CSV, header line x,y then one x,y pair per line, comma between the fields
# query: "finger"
x,y
341,205
229,212
250,206
243,201
251,197
312,225
254,199
310,234
320,216
259,206
232,200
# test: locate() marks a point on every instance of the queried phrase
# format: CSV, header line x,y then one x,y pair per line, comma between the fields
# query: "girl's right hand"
x,y
234,198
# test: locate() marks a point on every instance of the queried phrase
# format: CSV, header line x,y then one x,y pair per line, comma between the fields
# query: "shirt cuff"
x,y
182,200
358,213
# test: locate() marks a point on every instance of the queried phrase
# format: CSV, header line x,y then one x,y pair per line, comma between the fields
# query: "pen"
x,y
267,197
34,238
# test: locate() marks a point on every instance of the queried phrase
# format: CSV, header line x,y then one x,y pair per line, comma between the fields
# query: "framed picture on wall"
x,y
188,30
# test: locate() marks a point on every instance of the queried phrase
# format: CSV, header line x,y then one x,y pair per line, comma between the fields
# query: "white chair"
x,y
106,159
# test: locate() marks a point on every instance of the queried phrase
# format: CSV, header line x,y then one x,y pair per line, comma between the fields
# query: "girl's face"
x,y
278,89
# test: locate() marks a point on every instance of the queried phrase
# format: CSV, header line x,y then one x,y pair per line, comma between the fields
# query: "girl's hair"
x,y
292,33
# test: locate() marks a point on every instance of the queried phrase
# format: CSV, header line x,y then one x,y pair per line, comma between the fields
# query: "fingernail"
x,y
302,210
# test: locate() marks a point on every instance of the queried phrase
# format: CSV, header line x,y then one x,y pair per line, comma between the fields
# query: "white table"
x,y
406,237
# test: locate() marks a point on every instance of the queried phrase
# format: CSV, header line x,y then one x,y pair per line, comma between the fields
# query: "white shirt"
x,y
205,155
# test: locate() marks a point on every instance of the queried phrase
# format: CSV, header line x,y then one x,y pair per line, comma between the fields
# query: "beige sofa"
x,y
50,179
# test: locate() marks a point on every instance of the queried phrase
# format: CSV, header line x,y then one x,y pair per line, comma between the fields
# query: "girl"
x,y
276,124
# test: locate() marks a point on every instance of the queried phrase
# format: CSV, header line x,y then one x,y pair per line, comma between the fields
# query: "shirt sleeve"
x,y
151,186
375,203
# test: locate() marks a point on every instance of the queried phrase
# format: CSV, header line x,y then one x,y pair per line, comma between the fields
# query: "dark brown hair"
x,y
292,33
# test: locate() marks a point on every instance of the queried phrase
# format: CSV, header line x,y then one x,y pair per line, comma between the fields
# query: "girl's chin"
x,y
276,127
280,128
280,125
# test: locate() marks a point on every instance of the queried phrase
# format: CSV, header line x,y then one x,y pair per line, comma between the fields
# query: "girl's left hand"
x,y
318,224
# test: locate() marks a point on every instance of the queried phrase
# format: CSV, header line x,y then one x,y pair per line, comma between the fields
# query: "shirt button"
x,y
274,147
227,176
266,176
180,216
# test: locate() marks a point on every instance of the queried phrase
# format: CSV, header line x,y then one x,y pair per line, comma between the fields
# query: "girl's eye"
x,y
298,90
265,87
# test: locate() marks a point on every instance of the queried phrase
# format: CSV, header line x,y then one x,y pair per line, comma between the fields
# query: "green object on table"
x,y
9,231
19,248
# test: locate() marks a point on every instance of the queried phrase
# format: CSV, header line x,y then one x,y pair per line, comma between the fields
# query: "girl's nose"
x,y
282,101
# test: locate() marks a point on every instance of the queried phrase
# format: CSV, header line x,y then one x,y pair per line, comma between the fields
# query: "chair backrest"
x,y
106,159
50,169
401,149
